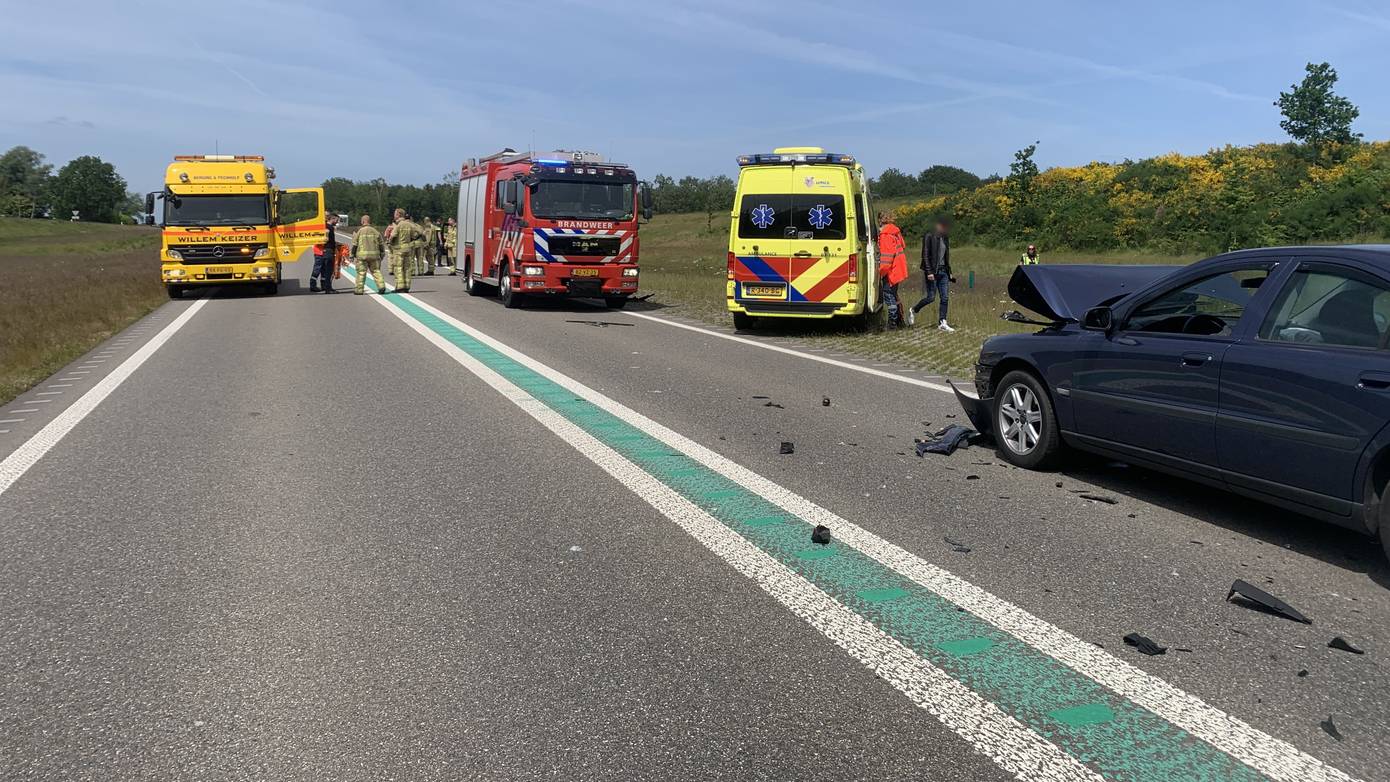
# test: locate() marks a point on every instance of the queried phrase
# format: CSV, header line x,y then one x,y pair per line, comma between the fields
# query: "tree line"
x,y
86,186
379,198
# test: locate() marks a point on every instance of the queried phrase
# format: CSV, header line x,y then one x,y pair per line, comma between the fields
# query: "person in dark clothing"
x,y
325,256
936,265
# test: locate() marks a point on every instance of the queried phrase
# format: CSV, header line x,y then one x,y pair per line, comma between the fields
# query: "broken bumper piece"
x,y
976,409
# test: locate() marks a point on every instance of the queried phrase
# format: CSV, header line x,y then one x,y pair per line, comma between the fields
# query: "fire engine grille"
x,y
208,253
580,244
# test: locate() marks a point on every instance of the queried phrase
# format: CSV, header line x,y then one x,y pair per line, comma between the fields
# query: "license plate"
x,y
219,270
585,272
765,291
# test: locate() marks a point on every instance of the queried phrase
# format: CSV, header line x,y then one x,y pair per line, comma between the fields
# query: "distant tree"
x,y
23,173
1023,169
893,183
944,180
716,195
1313,113
90,186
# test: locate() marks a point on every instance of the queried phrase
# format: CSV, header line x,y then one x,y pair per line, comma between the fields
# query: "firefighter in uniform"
x,y
1029,258
406,242
428,254
451,246
366,250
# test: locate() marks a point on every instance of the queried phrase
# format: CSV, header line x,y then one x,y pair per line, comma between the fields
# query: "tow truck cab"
x,y
801,238
226,223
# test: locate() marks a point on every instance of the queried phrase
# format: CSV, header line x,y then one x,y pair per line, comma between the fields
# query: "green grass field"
x,y
683,264
66,287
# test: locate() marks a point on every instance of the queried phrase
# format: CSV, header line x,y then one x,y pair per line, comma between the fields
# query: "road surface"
x,y
426,537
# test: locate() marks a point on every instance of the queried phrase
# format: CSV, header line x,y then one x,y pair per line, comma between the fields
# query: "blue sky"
x,y
406,91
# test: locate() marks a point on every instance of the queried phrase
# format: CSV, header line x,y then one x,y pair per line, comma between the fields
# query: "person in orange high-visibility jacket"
x,y
892,266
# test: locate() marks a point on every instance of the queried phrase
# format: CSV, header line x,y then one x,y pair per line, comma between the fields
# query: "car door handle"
x,y
1374,381
1195,359
801,254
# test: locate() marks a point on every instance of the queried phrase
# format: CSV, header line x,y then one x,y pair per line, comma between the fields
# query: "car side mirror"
x,y
1099,319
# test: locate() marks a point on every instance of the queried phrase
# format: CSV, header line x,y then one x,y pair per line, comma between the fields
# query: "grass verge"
x,y
67,287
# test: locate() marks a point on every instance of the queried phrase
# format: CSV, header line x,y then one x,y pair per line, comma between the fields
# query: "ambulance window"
x,y
818,216
765,217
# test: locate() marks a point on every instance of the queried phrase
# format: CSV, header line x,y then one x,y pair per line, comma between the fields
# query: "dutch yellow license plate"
x,y
765,291
219,270
585,272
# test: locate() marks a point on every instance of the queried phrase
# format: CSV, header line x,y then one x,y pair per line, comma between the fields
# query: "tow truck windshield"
x,y
217,210
583,200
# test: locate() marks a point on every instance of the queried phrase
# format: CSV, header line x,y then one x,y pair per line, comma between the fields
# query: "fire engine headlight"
x,y
264,252
532,271
629,272
174,273
175,255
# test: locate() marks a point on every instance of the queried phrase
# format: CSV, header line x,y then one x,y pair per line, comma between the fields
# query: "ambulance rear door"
x,y
763,235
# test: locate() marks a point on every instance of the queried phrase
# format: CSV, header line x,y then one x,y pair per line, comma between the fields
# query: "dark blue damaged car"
x,y
1265,372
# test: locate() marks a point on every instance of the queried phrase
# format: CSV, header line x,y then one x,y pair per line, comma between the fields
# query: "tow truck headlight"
x,y
175,255
630,272
262,269
264,252
175,273
532,271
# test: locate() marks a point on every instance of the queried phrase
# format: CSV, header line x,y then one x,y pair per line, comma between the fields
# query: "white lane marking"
x,y
37,401
799,353
995,734
30,451
26,410
1269,755
11,420
50,393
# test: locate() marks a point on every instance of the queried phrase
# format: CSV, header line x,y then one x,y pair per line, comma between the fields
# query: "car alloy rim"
x,y
1020,419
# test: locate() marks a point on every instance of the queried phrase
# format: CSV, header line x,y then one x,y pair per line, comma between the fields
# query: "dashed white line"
x,y
59,385
11,420
26,410
50,393
800,353
30,451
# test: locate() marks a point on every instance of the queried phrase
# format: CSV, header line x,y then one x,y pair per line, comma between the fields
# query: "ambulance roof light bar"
x,y
792,158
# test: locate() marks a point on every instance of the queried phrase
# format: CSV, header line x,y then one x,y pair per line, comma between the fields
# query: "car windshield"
x,y
217,210
583,200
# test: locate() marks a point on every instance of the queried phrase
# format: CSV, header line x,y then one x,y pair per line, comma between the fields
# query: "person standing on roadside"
x,y
892,267
405,243
451,246
431,242
936,265
325,256
366,251
1030,257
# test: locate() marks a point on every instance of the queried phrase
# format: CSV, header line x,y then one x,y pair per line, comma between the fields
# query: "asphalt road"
x,y
426,537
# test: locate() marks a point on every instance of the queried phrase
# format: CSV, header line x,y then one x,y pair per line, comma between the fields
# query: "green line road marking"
x,y
1117,738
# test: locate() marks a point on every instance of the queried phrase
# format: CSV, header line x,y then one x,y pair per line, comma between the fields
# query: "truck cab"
x,y
226,223
801,238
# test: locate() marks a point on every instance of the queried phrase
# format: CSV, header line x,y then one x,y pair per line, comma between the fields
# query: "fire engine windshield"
x,y
583,200
217,210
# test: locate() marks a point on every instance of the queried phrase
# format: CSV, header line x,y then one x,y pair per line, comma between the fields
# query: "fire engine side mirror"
x,y
646,199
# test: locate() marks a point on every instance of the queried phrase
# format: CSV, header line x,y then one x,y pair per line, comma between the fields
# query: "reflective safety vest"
x,y
1026,261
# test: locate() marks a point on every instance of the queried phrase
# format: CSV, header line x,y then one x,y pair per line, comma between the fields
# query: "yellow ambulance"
x,y
801,239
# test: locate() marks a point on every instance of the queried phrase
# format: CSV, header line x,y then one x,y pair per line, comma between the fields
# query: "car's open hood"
x,y
1064,292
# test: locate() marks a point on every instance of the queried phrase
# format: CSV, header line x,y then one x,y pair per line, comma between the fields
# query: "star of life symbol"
x,y
763,216
820,216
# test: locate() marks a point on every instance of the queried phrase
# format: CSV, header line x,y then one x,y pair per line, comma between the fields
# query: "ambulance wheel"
x,y
510,298
175,291
615,302
743,321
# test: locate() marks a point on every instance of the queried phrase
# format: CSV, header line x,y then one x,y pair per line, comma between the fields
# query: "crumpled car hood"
x,y
1063,292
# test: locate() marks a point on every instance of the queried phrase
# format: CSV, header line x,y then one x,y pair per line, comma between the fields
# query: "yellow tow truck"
x,y
226,223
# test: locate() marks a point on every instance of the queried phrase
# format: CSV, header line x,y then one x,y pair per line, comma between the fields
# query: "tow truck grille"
x,y
211,253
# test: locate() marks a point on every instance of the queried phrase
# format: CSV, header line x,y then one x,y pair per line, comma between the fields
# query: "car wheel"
x,y
1025,425
510,298
743,321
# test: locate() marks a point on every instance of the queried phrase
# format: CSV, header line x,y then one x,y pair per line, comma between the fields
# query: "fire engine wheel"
x,y
510,298
471,285
615,302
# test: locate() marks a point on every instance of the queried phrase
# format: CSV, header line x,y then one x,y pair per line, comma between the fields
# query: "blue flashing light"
x,y
767,158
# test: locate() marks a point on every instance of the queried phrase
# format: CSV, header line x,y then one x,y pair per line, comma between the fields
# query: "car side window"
x,y
1323,305
1211,306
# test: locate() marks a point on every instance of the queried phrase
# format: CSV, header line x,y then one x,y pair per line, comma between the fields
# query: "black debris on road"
x,y
1341,643
1254,597
821,535
1145,645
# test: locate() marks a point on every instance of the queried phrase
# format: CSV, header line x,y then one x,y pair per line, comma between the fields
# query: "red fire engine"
x,y
559,224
